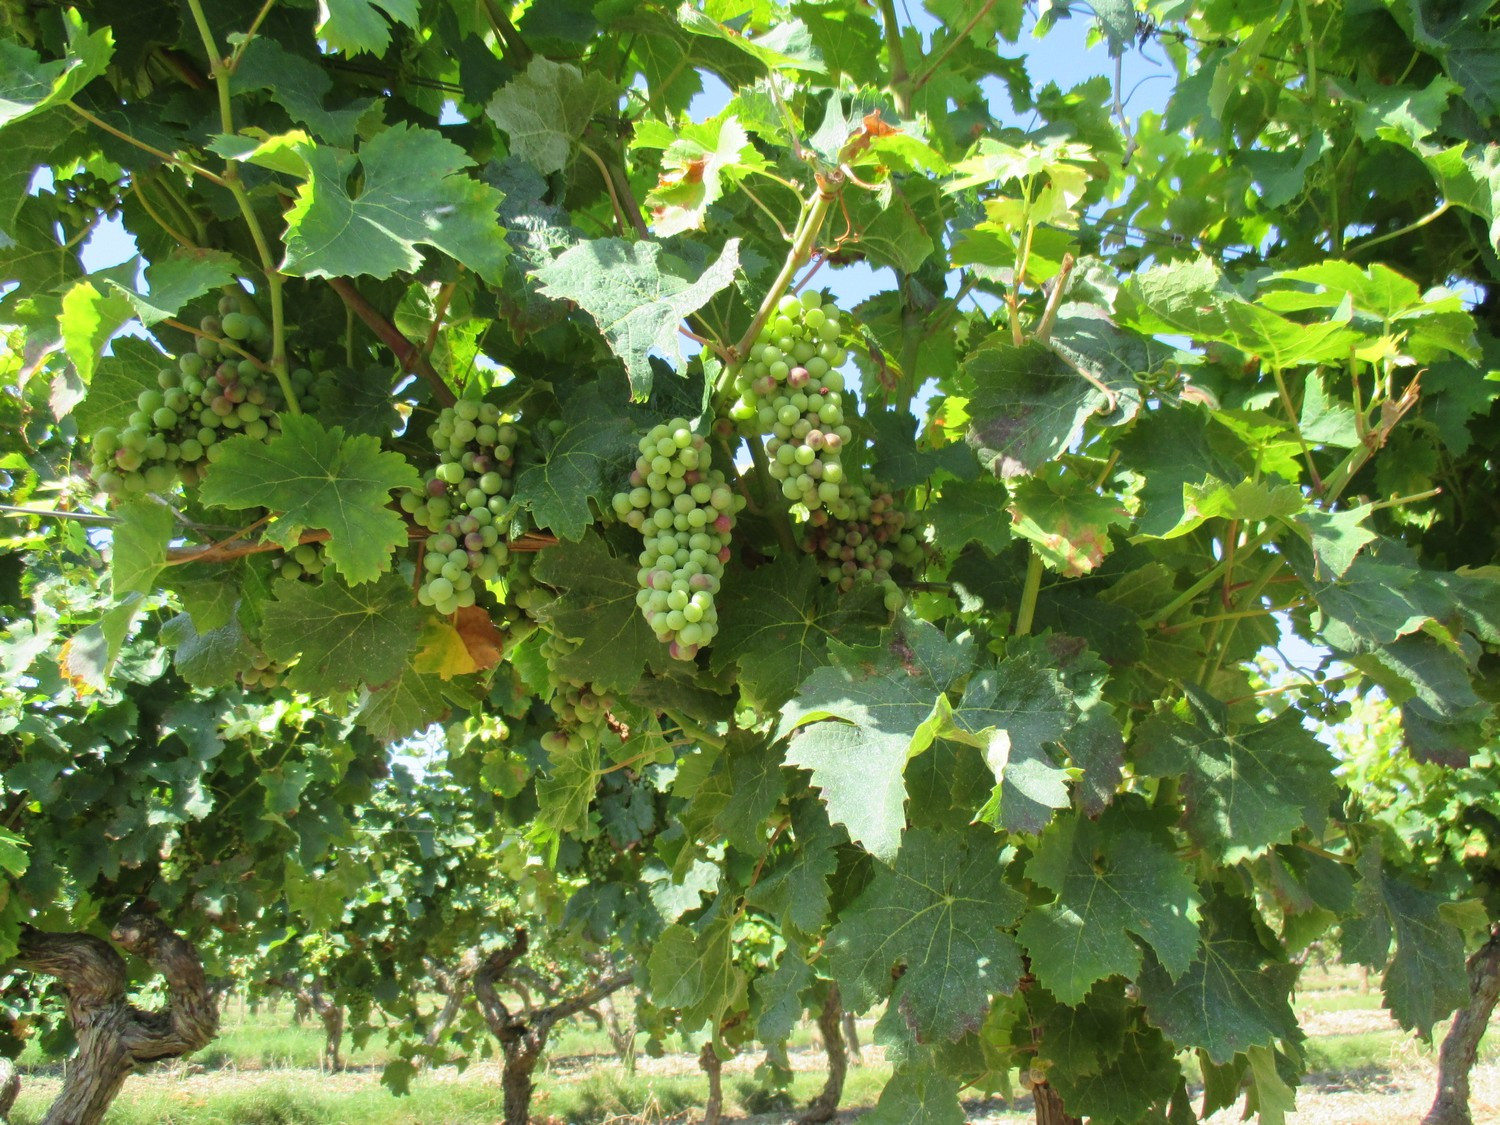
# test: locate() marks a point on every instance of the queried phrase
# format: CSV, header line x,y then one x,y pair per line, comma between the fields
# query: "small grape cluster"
x,y
177,427
263,673
582,713
866,546
305,560
684,510
790,387
464,502
83,195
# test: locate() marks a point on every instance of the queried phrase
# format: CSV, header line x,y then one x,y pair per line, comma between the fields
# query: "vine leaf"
x,y
1229,999
779,995
856,727
932,923
1066,521
410,703
1105,1061
175,280
545,110
966,512
636,303
777,623
1013,712
139,546
341,636
1426,978
413,192
917,1095
694,971
211,658
299,86
28,85
584,464
1113,877
597,610
355,27
1246,788
318,478
698,162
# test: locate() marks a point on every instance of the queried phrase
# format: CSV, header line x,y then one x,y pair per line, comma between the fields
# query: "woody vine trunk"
x,y
1461,1044
114,1036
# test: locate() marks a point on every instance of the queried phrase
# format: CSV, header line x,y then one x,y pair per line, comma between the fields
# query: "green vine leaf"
x,y
28,85
1247,787
596,609
777,623
546,110
413,192
855,725
341,636
1113,877
356,27
318,478
931,923
637,303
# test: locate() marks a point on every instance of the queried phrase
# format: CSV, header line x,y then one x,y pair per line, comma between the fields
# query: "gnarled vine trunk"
x,y
114,1036
523,1037
332,1016
1049,1106
851,1038
713,1066
830,1026
1461,1044
454,984
10,1088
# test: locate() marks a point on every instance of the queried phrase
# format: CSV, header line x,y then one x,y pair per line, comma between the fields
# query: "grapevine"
x,y
684,510
867,544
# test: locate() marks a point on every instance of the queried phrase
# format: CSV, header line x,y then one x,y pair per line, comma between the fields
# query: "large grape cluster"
x,y
464,502
868,545
684,510
790,388
210,394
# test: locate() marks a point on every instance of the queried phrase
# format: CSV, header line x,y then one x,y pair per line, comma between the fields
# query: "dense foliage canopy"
x,y
833,488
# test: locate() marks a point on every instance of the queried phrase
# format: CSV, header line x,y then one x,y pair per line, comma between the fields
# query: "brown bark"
x,y
1049,1106
454,984
523,1036
1461,1045
830,1026
315,1000
10,1088
114,1036
851,1038
713,1066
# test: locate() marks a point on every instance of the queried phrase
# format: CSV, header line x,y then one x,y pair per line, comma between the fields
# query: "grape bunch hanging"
x,y
790,388
464,502
873,540
208,396
684,509
84,195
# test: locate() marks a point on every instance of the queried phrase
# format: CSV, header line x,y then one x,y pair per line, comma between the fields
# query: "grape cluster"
x,y
212,393
263,673
866,546
790,388
684,510
464,502
582,713
306,560
83,195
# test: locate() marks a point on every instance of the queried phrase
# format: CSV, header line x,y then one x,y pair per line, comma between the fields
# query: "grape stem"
x,y
407,354
231,182
814,211
1029,593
